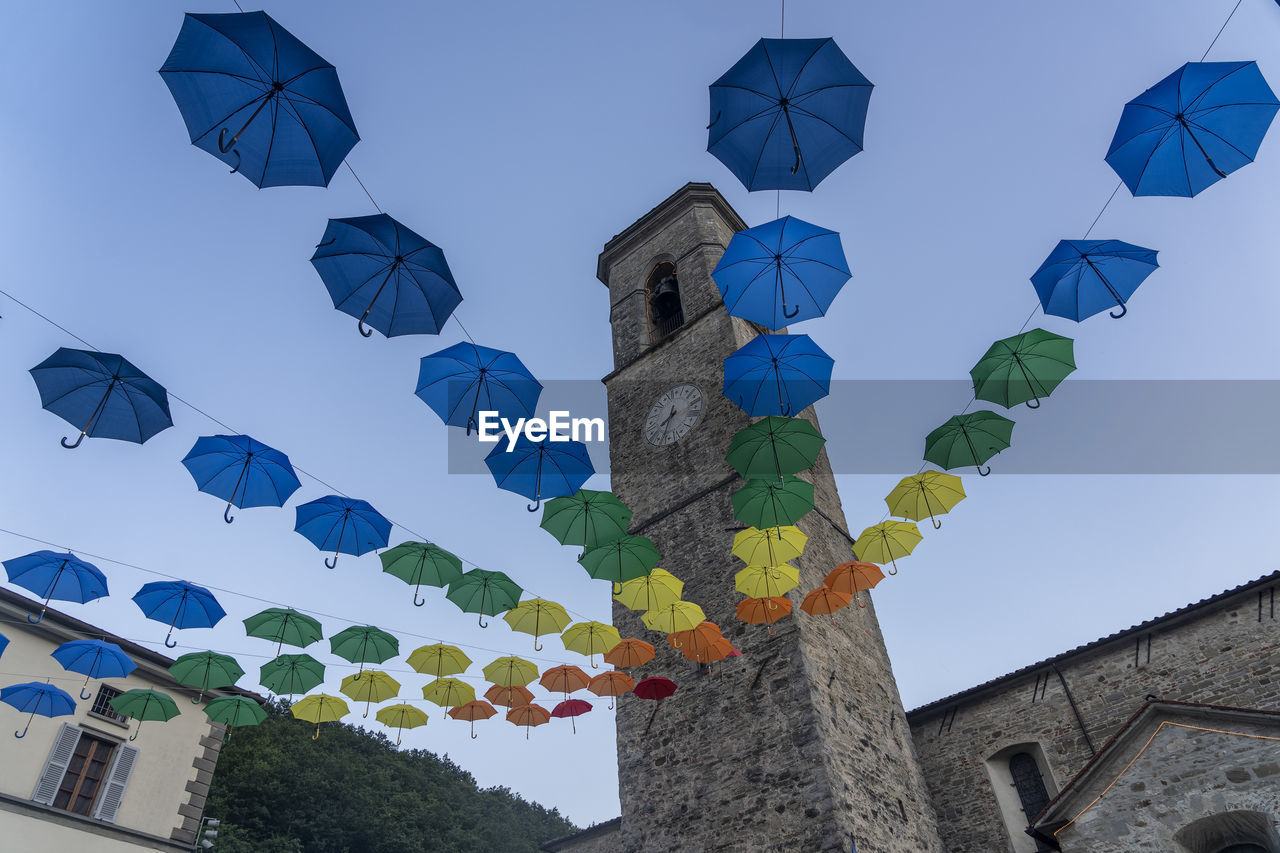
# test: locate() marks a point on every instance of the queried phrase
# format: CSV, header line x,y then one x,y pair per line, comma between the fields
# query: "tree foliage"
x,y
352,791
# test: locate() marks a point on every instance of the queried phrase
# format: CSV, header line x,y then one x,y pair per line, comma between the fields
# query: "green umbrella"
x,y
281,625
484,592
968,440
144,705
587,518
234,711
772,502
205,670
290,674
775,446
624,559
421,562
1024,368
364,644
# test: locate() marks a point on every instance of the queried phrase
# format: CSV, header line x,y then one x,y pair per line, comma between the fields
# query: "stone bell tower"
x,y
801,744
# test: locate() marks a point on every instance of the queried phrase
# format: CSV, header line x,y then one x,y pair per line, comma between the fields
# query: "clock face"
x,y
675,413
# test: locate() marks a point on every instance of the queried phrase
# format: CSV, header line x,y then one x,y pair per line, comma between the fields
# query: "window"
x,y
1230,832
102,704
83,777
1023,786
86,773
1029,784
662,295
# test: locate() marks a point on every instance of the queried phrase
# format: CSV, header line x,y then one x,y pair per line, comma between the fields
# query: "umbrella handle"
x,y
226,514
771,632
714,120
937,524
536,647
483,624
231,150
861,603
167,637
473,729
37,620
134,736
316,736
533,507
27,726
416,602
1035,403
982,473
610,703
74,444
195,700
85,694
366,332
334,564
785,313
1124,309
893,567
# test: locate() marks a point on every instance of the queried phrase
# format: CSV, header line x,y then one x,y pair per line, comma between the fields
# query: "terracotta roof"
x,y
1204,603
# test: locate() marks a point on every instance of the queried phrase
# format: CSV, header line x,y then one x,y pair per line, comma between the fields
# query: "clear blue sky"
x,y
519,138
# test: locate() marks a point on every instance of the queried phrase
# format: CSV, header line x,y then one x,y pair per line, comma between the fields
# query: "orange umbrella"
x,y
853,577
528,716
564,679
824,599
764,611
509,697
701,644
477,710
630,652
611,684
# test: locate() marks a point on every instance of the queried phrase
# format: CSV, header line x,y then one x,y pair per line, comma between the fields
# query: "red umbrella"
x,y
571,708
655,688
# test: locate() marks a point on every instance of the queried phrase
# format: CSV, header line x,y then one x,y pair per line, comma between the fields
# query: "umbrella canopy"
x,y
626,558
969,439
34,697
439,660
93,659
1192,129
1080,278
50,574
421,562
630,652
564,679
4,641
448,692
612,684
234,712
777,375
886,542
701,644
925,495
540,469
401,717
653,591
781,272
369,687
771,503
824,601
655,688
853,577
587,518
788,113
206,671
477,709
342,525
259,100
102,395
510,671
282,625
364,644
241,471
528,716
319,708
287,675
537,616
508,697
181,604
144,704
590,639
484,592
571,708
385,275
676,616
771,546
774,446
1023,368
460,381
764,611
766,581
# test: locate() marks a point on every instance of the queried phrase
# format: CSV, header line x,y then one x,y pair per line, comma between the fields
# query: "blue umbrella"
x,y
4,641
1082,277
63,576
181,604
95,659
259,100
788,113
542,469
461,381
762,264
36,698
1193,128
777,375
102,394
379,271
242,471
342,525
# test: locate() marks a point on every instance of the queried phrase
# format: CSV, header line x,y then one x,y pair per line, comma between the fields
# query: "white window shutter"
x,y
64,746
117,779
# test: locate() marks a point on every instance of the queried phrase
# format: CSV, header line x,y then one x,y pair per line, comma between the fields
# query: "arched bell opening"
x,y
662,301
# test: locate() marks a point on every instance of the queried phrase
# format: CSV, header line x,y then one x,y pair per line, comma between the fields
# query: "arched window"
x,y
662,301
1230,832
1029,784
1023,786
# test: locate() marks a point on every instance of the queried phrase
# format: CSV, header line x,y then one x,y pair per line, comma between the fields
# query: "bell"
x,y
666,297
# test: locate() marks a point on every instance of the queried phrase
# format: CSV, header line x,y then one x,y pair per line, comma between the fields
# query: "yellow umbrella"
x,y
511,671
772,546
401,717
925,495
537,616
886,542
656,589
439,660
766,581
370,686
590,639
677,616
319,708
448,692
